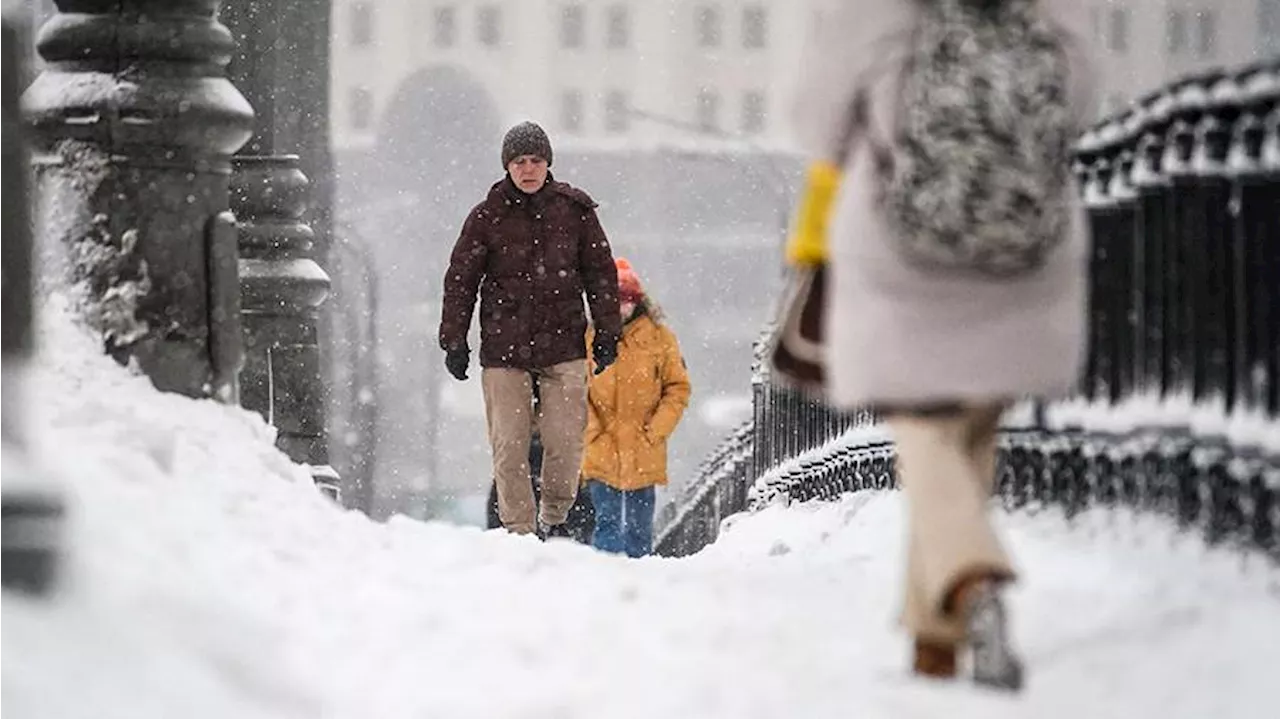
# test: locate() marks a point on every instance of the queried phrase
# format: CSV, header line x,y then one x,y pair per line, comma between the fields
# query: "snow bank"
x,y
208,578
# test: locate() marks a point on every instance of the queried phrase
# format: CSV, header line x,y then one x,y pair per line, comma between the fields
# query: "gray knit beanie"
x,y
525,139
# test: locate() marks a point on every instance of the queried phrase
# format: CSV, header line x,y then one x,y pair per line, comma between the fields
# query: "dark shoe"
x,y
995,664
935,659
554,531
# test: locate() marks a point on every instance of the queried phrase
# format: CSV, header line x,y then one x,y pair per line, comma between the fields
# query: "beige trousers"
x,y
946,465
562,422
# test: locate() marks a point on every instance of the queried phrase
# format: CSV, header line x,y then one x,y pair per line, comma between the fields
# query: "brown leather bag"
x,y
797,352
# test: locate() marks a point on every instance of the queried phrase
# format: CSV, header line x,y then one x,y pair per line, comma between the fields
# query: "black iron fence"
x,y
1179,409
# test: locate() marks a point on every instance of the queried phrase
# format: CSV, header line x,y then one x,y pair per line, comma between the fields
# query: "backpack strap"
x,y
858,124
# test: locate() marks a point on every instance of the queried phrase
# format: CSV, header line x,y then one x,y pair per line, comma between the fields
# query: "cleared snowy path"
x,y
209,580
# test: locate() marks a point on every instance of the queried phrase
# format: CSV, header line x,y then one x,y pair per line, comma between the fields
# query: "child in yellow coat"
x,y
633,408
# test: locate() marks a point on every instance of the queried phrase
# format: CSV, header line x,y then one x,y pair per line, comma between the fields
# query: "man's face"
x,y
529,172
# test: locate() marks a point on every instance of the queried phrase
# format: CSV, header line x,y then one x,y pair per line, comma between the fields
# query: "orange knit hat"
x,y
629,289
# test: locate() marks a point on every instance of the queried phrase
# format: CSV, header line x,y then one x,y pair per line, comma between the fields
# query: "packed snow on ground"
x,y
206,578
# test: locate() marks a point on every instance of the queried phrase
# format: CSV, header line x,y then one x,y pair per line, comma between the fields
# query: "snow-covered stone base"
x,y
207,578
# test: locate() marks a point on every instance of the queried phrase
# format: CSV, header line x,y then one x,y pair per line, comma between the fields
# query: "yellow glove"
x,y
808,242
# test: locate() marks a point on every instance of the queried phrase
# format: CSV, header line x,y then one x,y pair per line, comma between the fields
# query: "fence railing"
x,y
1179,408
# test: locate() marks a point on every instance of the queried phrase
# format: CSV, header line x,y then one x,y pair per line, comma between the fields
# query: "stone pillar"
x,y
281,66
32,507
16,286
135,123
281,290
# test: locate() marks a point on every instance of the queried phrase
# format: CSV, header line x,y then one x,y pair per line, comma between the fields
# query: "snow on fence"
x,y
1179,408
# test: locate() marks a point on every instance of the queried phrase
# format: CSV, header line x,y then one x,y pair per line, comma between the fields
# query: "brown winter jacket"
x,y
634,407
531,257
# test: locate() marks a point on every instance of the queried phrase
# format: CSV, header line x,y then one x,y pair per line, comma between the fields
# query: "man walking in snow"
x,y
531,250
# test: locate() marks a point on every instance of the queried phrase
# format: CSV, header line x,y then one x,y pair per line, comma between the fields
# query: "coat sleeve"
x,y
675,391
595,423
600,277
462,282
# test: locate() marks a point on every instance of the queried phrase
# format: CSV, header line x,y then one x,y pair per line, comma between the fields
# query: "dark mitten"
x,y
456,361
604,350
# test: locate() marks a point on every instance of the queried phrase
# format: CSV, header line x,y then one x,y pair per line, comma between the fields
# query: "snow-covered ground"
x,y
207,578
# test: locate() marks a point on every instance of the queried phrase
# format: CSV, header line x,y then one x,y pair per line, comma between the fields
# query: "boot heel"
x,y
934,659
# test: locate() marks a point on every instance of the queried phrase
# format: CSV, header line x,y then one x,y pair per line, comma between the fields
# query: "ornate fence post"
x,y
1110,199
281,289
32,509
136,123
283,285
1215,257
1255,165
761,417
1151,221
1127,272
1093,164
1186,242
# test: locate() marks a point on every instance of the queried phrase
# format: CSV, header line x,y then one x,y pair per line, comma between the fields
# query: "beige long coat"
x,y
899,334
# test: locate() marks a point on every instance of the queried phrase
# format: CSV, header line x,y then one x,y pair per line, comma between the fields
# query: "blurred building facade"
x,y
720,66
1141,44
578,66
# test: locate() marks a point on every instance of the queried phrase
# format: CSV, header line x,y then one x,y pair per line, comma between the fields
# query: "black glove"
x,y
456,362
604,351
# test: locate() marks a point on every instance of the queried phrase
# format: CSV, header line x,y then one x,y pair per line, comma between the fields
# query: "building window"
x,y
1207,32
754,27
617,113
1118,38
708,110
360,102
572,21
446,26
753,112
362,24
708,25
619,27
489,25
1095,23
571,111
1177,31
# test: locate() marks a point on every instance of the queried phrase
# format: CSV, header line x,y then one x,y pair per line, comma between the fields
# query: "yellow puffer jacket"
x,y
634,406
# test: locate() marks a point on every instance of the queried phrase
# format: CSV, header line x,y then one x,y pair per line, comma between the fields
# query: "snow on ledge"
x,y
1208,420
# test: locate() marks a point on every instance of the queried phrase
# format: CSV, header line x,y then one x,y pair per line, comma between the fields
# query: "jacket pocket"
x,y
601,457
651,459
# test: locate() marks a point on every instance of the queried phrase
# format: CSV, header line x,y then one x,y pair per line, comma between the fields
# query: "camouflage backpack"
x,y
977,178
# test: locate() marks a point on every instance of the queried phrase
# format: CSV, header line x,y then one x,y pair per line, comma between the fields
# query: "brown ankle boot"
x,y
935,659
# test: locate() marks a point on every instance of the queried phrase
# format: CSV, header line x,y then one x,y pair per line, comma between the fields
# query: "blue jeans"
x,y
624,519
